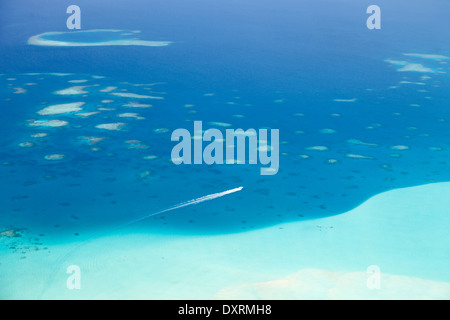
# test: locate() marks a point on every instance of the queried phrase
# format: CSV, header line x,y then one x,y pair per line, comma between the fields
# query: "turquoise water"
x,y
94,36
357,113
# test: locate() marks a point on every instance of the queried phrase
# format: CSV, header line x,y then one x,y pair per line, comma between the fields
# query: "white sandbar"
x,y
361,143
47,123
136,144
39,135
317,148
403,232
77,81
75,90
26,144
19,90
405,66
161,130
38,40
86,114
358,156
61,108
130,115
427,56
134,95
91,140
415,67
327,131
400,147
152,157
108,89
345,100
54,157
219,124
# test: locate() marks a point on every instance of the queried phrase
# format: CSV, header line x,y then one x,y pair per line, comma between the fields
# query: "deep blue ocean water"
x,y
266,61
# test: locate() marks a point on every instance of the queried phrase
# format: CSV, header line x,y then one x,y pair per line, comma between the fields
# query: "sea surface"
x,y
359,112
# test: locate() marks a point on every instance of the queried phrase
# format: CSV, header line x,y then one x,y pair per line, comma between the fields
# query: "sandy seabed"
x,y
403,232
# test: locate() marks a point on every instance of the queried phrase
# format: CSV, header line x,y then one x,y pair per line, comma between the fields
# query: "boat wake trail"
x,y
185,204
60,263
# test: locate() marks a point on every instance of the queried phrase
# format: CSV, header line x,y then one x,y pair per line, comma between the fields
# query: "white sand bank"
x,y
404,232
